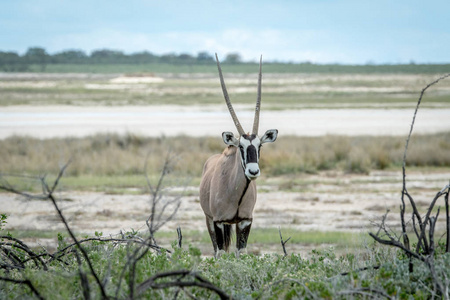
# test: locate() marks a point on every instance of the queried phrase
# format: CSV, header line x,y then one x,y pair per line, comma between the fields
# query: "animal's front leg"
x,y
223,236
218,229
212,233
242,232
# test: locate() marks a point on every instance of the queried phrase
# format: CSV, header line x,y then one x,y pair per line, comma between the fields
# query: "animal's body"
x,y
228,189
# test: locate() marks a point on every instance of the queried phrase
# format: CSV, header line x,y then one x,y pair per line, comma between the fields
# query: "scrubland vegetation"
x,y
123,267
128,267
103,156
379,274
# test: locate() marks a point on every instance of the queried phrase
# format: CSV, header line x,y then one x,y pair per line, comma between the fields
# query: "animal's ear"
x,y
229,139
270,136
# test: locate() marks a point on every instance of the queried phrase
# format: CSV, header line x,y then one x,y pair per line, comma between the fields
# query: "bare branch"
x,y
7,187
48,195
142,242
83,278
25,282
426,220
447,219
283,243
392,242
424,251
23,247
60,175
404,190
290,280
158,202
180,237
82,250
413,121
376,267
197,282
367,292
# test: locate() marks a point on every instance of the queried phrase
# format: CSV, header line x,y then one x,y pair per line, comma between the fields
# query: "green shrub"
x,y
271,276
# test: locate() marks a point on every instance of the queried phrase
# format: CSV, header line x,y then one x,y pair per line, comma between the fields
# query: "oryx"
x,y
228,189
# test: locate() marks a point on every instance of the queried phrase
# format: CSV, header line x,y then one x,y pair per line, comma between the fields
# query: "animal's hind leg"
x,y
212,234
242,232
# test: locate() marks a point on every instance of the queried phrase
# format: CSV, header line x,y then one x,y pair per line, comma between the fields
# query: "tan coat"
x,y
222,188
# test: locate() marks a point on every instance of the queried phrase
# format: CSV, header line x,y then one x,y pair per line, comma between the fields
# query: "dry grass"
x,y
114,155
280,91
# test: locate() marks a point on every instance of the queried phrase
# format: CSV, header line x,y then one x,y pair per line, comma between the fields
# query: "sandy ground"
x,y
324,202
77,121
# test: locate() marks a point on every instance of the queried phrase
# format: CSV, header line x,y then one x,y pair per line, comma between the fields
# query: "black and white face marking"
x,y
249,147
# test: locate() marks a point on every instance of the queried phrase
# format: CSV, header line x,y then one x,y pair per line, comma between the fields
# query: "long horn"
x,y
227,100
258,100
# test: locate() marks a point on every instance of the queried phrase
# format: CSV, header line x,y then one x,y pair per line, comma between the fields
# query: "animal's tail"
x,y
226,236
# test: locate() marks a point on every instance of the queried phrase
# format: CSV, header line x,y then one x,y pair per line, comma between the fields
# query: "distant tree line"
x,y
13,62
37,59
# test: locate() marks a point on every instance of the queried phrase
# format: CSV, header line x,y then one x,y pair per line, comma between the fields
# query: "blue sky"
x,y
319,31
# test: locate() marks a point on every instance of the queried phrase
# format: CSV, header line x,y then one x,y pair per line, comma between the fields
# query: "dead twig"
x,y
180,237
404,189
366,292
48,194
83,278
425,248
157,217
422,237
197,281
394,243
289,280
447,219
26,282
283,243
146,243
360,270
19,245
69,230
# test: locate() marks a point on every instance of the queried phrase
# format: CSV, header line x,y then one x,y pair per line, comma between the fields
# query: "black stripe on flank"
x,y
247,183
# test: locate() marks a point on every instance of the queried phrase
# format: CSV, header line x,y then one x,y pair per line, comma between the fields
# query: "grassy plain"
x,y
280,90
246,68
292,165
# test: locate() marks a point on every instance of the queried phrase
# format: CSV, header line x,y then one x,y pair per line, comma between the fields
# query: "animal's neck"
x,y
233,174
239,180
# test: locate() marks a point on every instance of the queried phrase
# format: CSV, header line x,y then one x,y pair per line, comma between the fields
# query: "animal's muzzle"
x,y
252,171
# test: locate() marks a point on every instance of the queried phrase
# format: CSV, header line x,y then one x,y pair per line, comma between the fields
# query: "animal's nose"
x,y
253,172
